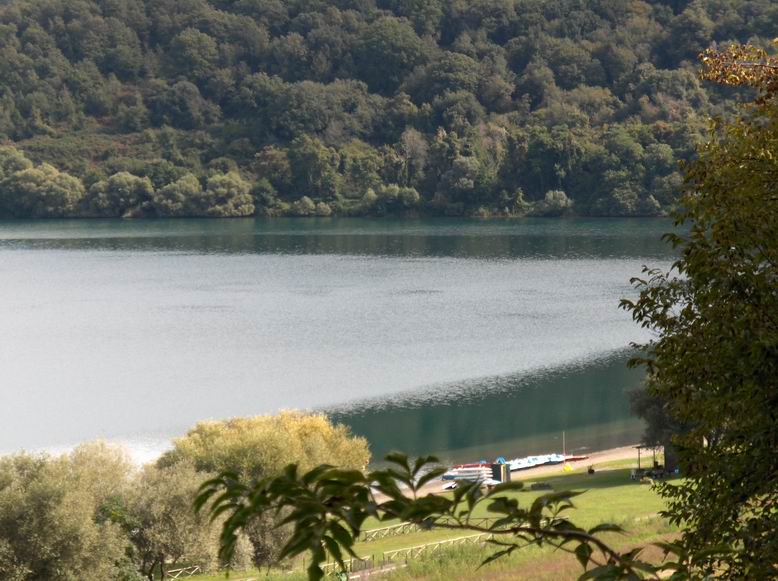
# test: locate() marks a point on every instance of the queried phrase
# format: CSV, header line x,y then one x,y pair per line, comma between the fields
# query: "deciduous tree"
x,y
715,361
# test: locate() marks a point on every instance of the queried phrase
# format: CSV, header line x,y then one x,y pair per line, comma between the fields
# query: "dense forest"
x,y
357,107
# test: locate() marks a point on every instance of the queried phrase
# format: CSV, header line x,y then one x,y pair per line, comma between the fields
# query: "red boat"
x,y
575,458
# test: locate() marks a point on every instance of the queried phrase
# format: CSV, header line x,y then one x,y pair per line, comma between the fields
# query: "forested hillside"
x,y
356,107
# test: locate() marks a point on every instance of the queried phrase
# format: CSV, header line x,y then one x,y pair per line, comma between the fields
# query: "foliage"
x,y
660,425
178,198
93,514
35,191
555,203
160,524
263,445
715,361
122,194
225,196
50,522
328,507
331,99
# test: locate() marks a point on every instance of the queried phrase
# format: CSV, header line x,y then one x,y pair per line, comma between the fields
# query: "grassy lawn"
x,y
609,496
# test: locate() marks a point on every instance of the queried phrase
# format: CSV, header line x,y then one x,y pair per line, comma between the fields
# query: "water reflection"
x,y
535,238
510,416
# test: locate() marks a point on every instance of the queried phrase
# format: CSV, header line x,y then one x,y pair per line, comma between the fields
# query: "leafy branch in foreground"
x,y
327,508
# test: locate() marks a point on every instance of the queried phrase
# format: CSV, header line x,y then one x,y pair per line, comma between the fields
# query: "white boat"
x,y
534,461
475,472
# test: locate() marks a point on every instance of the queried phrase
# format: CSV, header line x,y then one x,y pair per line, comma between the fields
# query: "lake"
x,y
468,338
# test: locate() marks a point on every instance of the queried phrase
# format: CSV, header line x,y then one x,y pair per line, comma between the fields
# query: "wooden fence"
x,y
392,531
419,550
408,553
352,565
184,572
406,528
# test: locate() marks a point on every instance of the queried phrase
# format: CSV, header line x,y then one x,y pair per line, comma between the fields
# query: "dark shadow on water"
x,y
508,416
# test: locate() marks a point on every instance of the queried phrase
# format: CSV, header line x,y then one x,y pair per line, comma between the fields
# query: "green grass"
x,y
530,563
608,496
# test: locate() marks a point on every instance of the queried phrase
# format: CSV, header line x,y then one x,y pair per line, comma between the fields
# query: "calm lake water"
x,y
464,337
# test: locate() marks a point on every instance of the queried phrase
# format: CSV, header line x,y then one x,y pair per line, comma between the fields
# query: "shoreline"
x,y
602,456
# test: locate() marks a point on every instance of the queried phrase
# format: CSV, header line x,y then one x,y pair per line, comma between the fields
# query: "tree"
x,y
464,182
94,88
315,168
122,194
178,198
50,521
272,164
305,206
225,196
391,199
388,50
261,447
11,161
715,362
40,192
180,105
161,525
450,72
194,53
661,426
555,203
424,14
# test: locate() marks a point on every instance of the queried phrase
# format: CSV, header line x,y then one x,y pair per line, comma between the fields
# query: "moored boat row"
x,y
484,470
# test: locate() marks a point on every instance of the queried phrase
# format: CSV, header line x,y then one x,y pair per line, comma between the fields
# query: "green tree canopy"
x,y
715,361
387,52
596,102
50,521
178,198
161,525
40,192
11,161
122,194
225,196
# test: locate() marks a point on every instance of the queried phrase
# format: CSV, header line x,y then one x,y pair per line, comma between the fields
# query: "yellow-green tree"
x,y
263,445
39,192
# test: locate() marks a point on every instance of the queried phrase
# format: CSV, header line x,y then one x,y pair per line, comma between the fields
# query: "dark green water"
x,y
469,238
511,416
465,337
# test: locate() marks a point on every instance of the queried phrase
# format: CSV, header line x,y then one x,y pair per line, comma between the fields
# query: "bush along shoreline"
x,y
42,191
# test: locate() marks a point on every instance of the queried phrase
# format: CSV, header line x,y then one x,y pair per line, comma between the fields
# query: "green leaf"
x,y
583,553
605,528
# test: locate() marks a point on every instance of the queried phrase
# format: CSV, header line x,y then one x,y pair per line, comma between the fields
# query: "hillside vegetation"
x,y
356,107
